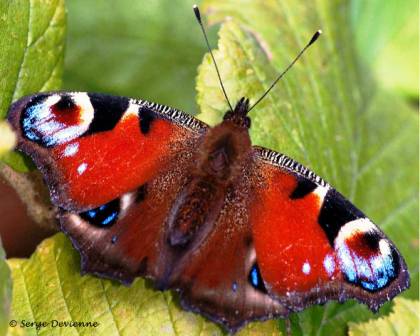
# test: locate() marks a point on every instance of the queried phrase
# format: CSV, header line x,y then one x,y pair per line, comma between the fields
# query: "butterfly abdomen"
x,y
191,210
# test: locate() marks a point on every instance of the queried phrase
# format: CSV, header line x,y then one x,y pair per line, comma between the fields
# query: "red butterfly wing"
x,y
313,245
93,148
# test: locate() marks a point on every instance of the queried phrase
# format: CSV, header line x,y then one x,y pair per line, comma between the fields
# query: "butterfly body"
x,y
241,232
223,154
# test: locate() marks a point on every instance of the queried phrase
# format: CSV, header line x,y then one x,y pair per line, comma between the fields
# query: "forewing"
x,y
92,148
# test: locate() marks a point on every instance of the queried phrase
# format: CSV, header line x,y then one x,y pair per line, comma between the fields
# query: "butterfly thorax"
x,y
239,115
222,156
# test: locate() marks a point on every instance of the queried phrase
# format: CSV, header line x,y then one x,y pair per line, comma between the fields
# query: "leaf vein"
x,y
42,35
14,97
60,287
25,285
109,306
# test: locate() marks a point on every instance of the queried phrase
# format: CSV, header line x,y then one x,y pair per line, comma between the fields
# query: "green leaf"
x,y
49,287
404,320
5,292
387,38
143,49
327,112
32,36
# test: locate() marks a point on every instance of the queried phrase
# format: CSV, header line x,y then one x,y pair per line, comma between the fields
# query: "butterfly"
x,y
242,232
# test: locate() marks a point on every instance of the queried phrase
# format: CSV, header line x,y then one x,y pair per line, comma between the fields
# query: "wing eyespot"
x,y
365,258
103,216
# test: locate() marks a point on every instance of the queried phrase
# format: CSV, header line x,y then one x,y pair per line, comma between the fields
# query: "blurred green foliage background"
x,y
151,49
142,49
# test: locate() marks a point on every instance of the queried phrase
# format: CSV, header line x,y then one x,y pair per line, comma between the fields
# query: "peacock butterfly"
x,y
241,232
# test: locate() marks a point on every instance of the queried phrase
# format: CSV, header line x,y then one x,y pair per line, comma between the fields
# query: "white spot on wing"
x,y
132,110
49,127
126,200
82,100
384,247
71,149
321,191
329,264
67,134
306,268
81,169
52,100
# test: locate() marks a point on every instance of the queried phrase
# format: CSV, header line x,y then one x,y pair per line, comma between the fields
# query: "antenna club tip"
x,y
197,13
315,37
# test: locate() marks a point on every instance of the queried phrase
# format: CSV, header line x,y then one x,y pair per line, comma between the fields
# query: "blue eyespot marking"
x,y
110,218
370,272
29,121
104,216
91,213
235,286
255,279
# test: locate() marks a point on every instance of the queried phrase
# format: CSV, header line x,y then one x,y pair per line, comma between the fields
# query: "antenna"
x,y
198,16
313,39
